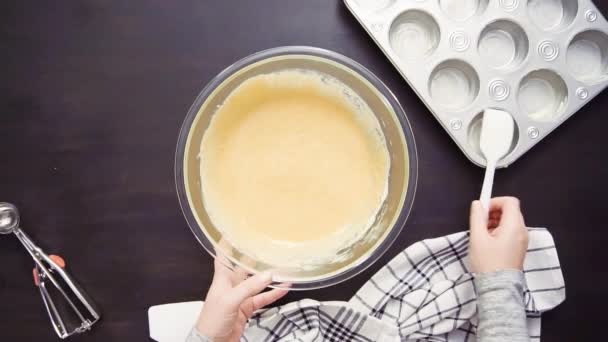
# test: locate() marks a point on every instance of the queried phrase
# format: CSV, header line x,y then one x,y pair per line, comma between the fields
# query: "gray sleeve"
x,y
500,307
195,336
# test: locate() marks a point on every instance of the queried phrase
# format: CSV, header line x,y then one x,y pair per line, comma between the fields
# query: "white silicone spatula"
x,y
495,140
173,322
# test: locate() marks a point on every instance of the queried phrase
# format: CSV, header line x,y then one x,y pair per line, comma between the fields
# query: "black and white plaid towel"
x,y
425,293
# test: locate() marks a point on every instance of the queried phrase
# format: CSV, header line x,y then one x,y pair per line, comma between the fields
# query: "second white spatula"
x,y
495,141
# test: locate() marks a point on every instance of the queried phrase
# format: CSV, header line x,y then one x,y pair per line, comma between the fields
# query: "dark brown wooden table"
x,y
93,93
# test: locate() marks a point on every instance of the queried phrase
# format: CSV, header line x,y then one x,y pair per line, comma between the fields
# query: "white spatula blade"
x,y
496,134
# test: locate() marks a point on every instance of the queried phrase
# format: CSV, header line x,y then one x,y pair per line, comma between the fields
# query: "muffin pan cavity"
x,y
414,34
454,84
503,44
587,56
551,15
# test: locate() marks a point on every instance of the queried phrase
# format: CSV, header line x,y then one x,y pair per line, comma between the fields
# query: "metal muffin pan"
x,y
539,60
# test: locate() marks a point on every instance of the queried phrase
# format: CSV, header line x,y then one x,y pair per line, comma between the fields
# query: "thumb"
x,y
251,286
477,220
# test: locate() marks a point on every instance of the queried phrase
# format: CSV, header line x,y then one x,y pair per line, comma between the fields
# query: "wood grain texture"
x,y
92,95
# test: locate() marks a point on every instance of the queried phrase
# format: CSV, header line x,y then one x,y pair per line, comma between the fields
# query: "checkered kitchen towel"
x,y
425,293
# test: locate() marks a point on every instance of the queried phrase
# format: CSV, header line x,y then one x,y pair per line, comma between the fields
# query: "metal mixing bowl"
x,y
399,140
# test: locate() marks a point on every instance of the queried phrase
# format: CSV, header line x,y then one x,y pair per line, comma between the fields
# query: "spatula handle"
x,y
488,182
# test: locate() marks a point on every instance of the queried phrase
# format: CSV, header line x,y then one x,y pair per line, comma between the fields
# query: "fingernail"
x,y
266,276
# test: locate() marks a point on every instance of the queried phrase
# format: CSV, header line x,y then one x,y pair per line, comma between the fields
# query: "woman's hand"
x,y
232,300
501,241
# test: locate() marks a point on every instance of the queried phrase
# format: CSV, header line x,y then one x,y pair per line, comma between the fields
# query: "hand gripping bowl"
x,y
399,140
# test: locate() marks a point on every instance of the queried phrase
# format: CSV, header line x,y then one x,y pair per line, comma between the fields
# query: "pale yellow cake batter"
x,y
293,167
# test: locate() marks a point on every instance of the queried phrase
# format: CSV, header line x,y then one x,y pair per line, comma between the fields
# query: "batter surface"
x,y
293,167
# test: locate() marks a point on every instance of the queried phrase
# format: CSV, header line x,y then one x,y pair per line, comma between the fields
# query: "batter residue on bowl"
x,y
294,168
